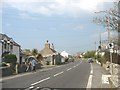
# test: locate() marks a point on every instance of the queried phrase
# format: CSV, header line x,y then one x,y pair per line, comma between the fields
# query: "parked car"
x,y
90,60
71,59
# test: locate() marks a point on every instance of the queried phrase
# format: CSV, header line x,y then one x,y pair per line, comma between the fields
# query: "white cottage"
x,y
8,45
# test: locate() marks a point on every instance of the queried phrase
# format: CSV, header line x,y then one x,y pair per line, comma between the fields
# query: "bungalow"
x,y
50,55
8,45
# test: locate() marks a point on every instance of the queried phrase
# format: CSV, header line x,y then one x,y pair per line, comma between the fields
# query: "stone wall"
x,y
7,71
115,77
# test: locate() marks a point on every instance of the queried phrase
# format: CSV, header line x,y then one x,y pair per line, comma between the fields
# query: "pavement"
x,y
100,77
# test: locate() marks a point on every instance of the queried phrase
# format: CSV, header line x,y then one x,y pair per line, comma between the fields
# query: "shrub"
x,y
3,64
10,58
89,54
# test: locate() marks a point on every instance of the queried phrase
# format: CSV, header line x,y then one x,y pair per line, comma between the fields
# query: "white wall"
x,y
0,51
16,51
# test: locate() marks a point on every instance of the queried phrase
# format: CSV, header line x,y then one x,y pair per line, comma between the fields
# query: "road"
x,y
71,75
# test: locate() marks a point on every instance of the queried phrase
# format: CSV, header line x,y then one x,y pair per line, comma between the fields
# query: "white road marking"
x,y
36,88
74,66
105,79
77,65
58,73
91,72
31,87
89,85
40,81
69,69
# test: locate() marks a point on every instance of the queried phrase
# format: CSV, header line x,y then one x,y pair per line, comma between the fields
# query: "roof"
x,y
4,36
47,52
64,54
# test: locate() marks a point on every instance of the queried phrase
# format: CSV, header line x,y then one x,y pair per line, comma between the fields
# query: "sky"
x,y
65,23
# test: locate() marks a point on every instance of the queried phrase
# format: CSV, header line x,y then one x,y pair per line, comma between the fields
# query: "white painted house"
x,y
8,45
64,54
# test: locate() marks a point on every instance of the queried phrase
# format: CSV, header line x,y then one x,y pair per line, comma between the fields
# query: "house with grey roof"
x,y
8,45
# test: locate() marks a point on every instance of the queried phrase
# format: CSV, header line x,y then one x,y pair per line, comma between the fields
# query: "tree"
x,y
26,51
10,58
39,57
34,52
89,54
111,19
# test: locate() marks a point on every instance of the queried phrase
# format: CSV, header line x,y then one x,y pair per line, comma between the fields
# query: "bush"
x,y
89,54
3,64
10,58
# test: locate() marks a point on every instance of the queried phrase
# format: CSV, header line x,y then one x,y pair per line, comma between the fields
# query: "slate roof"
x,y
3,36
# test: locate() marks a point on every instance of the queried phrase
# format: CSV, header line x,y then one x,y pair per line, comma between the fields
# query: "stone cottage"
x,y
50,55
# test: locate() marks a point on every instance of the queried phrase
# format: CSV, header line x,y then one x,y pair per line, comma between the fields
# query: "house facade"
x,y
8,45
50,55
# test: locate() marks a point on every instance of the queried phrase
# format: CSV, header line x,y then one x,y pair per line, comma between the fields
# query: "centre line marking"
x,y
58,74
31,87
69,69
40,81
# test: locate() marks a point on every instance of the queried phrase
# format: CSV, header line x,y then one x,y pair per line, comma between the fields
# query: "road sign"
x,y
111,50
111,45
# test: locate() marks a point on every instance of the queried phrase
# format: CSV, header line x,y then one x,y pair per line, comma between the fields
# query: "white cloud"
x,y
59,7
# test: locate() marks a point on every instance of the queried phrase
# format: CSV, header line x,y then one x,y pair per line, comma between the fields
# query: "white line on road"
x,y
74,66
91,72
77,65
36,88
31,87
69,69
89,82
89,85
58,73
40,81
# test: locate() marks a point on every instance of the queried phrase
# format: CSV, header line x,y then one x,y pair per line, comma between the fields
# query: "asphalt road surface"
x,y
71,75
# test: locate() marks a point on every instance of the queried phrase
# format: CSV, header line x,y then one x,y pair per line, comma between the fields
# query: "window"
x,y
5,46
11,46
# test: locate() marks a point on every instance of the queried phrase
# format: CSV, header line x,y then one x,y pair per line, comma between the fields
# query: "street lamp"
x,y
109,41
108,24
98,22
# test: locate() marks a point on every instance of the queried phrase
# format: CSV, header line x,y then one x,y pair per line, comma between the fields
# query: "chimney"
x,y
52,46
47,45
